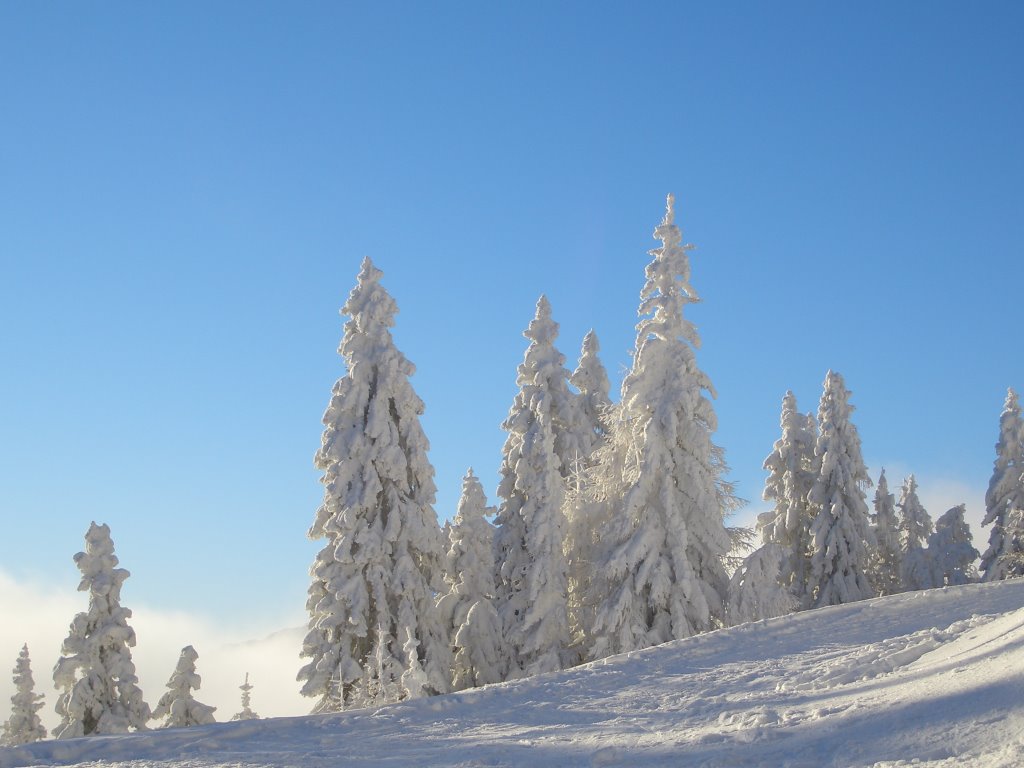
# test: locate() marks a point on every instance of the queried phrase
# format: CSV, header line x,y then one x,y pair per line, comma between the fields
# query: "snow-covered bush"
x,y
951,550
96,674
178,707
755,591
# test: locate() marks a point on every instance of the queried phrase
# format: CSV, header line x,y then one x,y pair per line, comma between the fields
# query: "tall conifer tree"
x,y
1004,500
661,575
886,569
374,635
915,527
101,694
841,531
468,609
791,473
24,725
543,444
591,381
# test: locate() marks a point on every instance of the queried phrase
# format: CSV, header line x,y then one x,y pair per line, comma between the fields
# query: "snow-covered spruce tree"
x,y
756,591
915,527
468,609
791,473
587,508
915,524
246,713
543,367
591,381
660,574
841,531
886,564
1004,500
96,674
24,725
951,550
374,634
178,707
542,448
1011,562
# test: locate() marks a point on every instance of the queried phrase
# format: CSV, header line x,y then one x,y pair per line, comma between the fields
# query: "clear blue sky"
x,y
187,189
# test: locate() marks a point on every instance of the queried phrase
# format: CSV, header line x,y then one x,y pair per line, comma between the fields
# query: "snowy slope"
x,y
935,677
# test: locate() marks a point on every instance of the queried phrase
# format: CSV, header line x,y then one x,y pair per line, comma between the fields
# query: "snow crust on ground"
x,y
930,678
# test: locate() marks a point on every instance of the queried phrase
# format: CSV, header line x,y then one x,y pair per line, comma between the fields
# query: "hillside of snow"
x,y
935,678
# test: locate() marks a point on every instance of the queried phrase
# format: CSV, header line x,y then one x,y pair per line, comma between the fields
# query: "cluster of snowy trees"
x,y
822,546
610,530
99,691
609,534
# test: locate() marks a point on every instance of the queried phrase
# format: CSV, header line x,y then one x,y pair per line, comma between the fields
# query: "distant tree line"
x,y
820,544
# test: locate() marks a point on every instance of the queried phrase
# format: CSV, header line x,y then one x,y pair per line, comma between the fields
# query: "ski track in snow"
x,y
926,678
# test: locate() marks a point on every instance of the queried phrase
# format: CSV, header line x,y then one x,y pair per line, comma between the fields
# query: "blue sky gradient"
x,y
187,190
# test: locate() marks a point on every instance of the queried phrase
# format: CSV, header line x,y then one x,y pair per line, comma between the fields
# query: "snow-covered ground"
x,y
926,678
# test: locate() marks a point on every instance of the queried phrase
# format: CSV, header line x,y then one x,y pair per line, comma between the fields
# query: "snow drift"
x,y
933,677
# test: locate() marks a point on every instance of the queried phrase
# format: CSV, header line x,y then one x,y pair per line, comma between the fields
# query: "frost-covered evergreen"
x,y
756,591
951,550
1011,562
915,524
246,713
177,706
591,380
915,527
791,473
24,725
96,674
841,531
660,571
374,634
468,609
542,448
1004,500
586,515
543,368
886,564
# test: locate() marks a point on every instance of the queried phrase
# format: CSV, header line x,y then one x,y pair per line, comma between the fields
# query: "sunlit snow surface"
x,y
932,677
